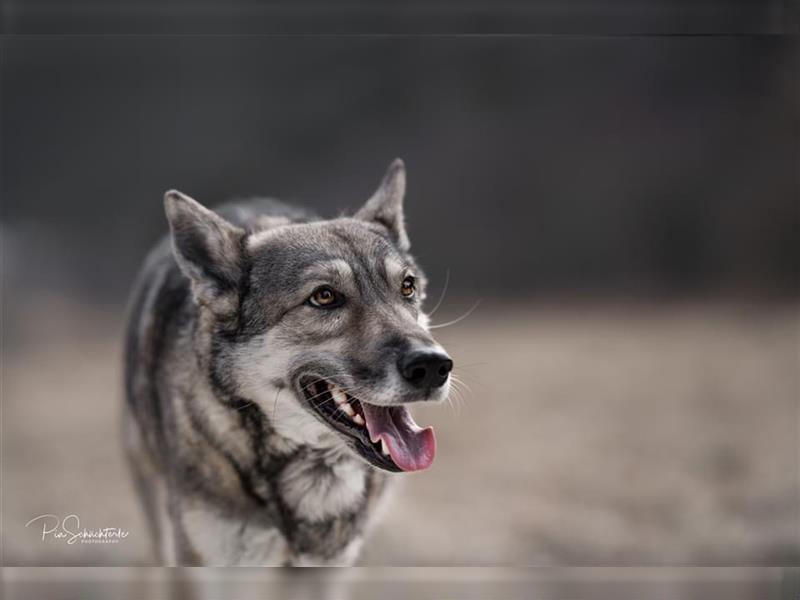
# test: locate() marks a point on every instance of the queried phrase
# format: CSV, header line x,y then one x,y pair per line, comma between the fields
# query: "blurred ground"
x,y
646,434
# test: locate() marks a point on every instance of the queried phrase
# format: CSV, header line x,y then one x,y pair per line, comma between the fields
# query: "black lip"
x,y
320,403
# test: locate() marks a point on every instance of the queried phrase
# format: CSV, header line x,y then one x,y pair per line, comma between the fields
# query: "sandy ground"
x,y
614,435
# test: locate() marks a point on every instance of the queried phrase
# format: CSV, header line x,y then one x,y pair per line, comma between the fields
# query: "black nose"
x,y
425,369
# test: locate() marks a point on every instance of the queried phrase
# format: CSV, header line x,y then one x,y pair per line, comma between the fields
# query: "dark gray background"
x,y
565,164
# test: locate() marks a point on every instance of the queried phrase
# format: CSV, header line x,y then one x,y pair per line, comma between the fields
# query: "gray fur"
x,y
232,465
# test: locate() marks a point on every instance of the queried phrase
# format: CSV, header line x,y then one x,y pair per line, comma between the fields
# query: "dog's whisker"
x,y
470,365
457,396
275,405
455,400
444,291
315,396
454,321
325,402
459,392
459,381
473,381
349,391
459,387
472,378
308,388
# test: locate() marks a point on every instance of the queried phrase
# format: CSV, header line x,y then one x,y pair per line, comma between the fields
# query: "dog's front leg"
x,y
345,558
205,536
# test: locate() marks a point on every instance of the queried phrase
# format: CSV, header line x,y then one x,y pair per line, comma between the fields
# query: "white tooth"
x,y
384,447
347,408
338,395
359,419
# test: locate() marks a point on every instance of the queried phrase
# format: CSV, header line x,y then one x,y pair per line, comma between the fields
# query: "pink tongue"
x,y
411,447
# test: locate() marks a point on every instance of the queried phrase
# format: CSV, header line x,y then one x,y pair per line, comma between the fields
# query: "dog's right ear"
x,y
385,207
206,246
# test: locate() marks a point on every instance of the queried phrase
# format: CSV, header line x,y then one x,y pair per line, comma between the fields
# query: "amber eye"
x,y
408,287
325,297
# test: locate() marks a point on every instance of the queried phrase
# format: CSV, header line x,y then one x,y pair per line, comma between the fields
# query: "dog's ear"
x,y
207,248
386,204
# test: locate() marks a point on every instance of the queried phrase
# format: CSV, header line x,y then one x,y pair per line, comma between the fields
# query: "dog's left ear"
x,y
386,204
207,249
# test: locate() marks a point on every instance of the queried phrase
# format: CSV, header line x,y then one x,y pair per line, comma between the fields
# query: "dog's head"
x,y
320,323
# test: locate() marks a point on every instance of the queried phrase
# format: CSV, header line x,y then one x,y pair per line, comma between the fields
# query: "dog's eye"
x,y
408,287
325,297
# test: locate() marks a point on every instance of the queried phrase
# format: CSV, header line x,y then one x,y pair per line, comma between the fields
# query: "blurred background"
x,y
623,203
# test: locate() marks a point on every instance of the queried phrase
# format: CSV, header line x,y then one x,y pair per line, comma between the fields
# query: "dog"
x,y
270,358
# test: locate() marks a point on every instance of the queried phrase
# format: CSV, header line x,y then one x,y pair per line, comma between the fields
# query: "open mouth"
x,y
386,436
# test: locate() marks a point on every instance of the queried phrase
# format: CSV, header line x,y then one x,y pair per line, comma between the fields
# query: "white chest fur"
x,y
317,491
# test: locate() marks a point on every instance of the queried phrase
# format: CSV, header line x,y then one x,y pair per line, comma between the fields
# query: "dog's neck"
x,y
320,498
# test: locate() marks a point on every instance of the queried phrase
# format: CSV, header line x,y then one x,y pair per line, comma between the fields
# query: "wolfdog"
x,y
270,358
